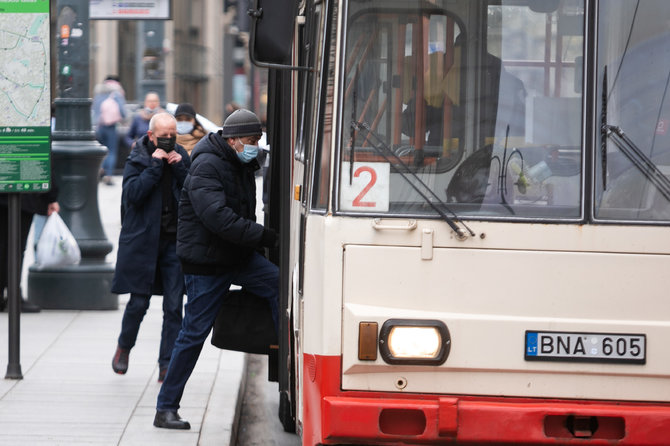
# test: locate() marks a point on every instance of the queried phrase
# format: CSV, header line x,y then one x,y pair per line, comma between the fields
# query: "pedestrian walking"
x,y
109,101
189,130
217,243
147,262
140,124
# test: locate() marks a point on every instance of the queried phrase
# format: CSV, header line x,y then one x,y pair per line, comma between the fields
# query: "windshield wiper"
x,y
405,172
603,130
643,163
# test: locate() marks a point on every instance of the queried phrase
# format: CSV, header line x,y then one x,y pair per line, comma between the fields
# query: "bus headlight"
x,y
417,342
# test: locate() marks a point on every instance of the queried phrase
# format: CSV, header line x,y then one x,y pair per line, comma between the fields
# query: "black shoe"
x,y
120,361
161,374
170,420
29,307
26,306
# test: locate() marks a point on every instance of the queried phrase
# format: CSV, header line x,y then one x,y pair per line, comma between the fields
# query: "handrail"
x,y
410,226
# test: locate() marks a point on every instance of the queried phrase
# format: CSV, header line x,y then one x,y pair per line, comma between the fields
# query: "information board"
x,y
25,96
130,10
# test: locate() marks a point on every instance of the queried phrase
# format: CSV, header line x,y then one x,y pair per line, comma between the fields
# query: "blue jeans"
x,y
173,299
107,136
204,298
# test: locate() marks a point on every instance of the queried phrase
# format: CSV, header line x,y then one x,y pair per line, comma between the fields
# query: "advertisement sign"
x,y
129,9
25,96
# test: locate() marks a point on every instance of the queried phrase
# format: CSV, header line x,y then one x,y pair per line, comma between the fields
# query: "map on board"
x,y
24,70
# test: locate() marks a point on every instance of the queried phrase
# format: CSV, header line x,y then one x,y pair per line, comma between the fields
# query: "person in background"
x,y
140,125
189,130
217,243
31,204
108,108
147,262
231,107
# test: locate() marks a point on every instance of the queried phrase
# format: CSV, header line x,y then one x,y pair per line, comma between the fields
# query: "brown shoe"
x,y
120,361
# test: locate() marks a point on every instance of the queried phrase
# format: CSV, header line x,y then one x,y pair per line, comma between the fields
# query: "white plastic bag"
x,y
57,246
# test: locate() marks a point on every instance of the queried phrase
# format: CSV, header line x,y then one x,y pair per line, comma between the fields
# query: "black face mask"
x,y
166,144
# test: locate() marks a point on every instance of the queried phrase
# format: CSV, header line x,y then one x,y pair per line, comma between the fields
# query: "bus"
x,y
473,204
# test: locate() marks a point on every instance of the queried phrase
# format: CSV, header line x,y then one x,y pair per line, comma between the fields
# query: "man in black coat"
x,y
217,243
147,262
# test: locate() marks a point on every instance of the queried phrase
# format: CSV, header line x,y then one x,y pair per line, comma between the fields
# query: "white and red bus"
x,y
474,208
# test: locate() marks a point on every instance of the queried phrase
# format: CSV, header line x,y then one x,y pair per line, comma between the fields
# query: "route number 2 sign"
x,y
369,188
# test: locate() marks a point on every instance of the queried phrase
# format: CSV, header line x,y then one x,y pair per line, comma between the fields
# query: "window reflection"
x,y
633,74
482,101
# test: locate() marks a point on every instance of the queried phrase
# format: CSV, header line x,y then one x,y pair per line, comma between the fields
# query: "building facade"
x,y
191,58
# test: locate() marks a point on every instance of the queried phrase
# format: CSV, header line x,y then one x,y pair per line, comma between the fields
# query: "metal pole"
x,y
13,279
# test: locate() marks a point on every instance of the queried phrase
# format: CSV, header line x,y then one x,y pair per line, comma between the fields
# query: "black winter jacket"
x,y
217,211
141,202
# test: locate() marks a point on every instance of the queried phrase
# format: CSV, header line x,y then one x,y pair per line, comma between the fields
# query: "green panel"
x,y
25,97
25,7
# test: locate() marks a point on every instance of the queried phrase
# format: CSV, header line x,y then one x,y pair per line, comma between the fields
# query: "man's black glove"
x,y
269,238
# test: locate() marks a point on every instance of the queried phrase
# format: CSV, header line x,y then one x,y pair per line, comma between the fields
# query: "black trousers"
x,y
24,229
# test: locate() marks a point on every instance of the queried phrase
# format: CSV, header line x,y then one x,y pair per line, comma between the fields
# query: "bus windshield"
x,y
634,105
478,101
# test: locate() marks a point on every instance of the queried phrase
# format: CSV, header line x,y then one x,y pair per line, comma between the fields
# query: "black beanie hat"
x,y
241,123
185,109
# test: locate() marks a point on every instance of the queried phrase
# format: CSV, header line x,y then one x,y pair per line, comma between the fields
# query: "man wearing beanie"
x,y
218,241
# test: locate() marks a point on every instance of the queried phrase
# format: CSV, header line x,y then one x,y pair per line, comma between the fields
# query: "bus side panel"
x,y
321,376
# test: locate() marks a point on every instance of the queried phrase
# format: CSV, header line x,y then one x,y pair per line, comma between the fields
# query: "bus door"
x,y
309,161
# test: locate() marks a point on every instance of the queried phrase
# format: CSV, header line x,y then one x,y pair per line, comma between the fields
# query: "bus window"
x,y
324,119
633,160
477,104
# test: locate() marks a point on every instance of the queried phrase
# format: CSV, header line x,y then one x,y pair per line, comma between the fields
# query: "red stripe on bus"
x,y
332,416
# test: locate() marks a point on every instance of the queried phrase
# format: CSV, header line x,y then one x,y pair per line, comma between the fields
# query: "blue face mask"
x,y
250,152
184,127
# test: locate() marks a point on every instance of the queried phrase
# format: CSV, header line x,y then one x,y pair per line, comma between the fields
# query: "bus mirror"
x,y
271,33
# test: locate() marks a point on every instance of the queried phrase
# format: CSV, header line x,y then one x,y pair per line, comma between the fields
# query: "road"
x,y
259,424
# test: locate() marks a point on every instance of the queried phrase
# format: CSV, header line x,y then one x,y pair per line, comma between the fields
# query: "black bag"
x,y
244,324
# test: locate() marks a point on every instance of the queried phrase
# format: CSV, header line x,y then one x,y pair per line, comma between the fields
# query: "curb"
x,y
238,404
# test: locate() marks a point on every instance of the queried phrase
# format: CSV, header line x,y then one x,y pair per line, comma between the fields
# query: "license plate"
x,y
591,347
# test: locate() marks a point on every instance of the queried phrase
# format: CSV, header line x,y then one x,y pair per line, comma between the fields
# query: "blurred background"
x,y
187,51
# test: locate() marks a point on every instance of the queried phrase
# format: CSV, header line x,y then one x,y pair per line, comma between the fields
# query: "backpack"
x,y
110,112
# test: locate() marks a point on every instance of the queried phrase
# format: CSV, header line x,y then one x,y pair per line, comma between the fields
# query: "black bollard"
x,y
85,286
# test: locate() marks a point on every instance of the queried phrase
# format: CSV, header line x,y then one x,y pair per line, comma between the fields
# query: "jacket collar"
x,y
142,150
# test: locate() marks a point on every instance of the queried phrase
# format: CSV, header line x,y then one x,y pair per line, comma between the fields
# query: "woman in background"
x,y
189,131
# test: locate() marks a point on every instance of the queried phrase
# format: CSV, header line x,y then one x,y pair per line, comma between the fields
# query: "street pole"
x,y
13,299
77,158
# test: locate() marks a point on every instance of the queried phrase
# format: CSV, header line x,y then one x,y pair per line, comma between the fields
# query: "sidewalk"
x,y
70,395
